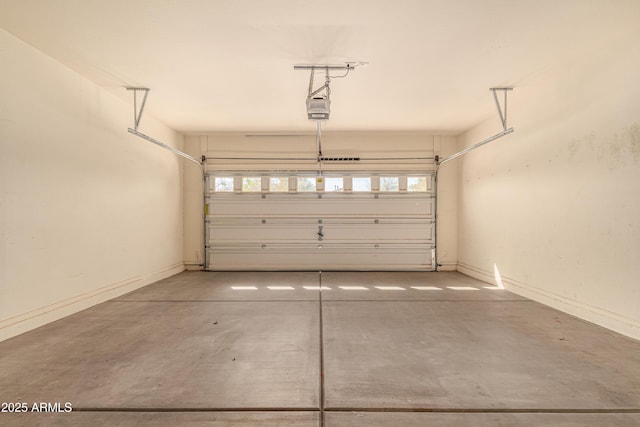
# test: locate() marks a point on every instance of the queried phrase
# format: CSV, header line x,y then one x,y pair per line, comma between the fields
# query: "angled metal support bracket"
x,y
503,116
137,115
166,147
474,146
440,162
327,80
503,121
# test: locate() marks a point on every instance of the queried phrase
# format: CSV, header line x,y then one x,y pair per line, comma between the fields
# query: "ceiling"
x,y
227,65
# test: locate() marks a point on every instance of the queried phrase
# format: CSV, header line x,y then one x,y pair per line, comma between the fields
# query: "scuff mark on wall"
x,y
615,151
574,146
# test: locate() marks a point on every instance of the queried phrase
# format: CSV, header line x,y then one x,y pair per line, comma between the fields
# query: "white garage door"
x,y
266,220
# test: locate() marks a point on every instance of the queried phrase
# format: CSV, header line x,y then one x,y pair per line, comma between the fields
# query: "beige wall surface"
x,y
87,211
359,144
554,209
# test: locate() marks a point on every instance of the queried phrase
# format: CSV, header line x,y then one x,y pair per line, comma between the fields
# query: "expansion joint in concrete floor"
x,y
490,410
321,347
198,409
374,410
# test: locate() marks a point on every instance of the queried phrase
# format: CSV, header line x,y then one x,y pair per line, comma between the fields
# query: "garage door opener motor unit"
x,y
318,100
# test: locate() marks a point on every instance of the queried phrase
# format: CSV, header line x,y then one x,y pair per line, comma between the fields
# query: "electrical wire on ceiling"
x,y
342,76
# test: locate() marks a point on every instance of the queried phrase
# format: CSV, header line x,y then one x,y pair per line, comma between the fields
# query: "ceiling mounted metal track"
x,y
322,67
440,162
137,116
341,67
339,159
503,121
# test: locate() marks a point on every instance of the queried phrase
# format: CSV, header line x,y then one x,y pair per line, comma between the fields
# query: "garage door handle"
x,y
320,234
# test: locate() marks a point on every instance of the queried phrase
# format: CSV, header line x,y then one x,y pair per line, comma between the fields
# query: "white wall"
x,y
555,207
87,211
362,144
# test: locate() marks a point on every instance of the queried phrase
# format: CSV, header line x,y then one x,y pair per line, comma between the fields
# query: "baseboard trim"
x,y
193,266
599,316
25,322
447,266
477,273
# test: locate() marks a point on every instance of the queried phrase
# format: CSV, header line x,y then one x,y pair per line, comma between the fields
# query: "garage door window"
x,y
223,184
361,183
279,184
417,183
306,184
251,184
333,184
389,183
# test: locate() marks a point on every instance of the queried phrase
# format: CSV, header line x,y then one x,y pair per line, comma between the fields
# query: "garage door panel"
x,y
329,257
249,206
250,230
406,232
364,230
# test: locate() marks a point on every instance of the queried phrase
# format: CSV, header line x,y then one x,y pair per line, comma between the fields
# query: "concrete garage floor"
x,y
369,349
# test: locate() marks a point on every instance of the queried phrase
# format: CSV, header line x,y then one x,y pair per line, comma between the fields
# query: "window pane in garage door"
x,y
333,184
306,184
389,183
280,183
224,183
417,183
361,184
251,184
